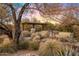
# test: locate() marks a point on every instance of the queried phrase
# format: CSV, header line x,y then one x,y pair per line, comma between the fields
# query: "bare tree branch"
x,y
21,12
13,11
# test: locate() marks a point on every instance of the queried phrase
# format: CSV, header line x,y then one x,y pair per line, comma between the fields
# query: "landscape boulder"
x,y
25,33
44,34
34,34
36,38
27,38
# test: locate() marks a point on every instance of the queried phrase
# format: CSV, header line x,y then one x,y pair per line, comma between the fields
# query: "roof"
x,y
34,23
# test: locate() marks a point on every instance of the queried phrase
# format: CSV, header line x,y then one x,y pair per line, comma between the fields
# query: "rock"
x,y
64,40
65,35
44,34
25,33
34,34
37,38
27,38
45,39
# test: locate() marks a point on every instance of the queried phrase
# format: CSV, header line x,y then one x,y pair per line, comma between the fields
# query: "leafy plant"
x,y
34,45
24,44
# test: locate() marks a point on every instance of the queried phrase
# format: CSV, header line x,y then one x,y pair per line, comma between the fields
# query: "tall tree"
x,y
17,21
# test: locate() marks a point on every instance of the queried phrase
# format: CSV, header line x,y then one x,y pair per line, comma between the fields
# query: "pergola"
x,y
33,24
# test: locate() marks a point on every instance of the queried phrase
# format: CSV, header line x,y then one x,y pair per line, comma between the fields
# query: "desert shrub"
x,y
51,48
34,45
8,48
24,44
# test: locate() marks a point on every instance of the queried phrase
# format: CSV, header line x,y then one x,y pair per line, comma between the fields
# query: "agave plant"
x,y
69,51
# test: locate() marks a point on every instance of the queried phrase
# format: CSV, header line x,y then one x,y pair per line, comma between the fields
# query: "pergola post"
x,y
33,25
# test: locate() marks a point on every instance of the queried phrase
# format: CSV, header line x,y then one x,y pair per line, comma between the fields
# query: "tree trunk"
x,y
17,22
17,33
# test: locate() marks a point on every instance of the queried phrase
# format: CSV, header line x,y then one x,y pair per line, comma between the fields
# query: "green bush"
x,y
49,26
34,45
24,44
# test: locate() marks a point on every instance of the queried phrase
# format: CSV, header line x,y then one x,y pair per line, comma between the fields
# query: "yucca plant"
x,y
69,51
51,48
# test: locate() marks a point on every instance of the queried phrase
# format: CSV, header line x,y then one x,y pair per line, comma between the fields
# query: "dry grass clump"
x,y
3,38
7,48
51,48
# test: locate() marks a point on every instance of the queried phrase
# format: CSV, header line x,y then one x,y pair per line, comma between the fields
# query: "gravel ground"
x,y
22,53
